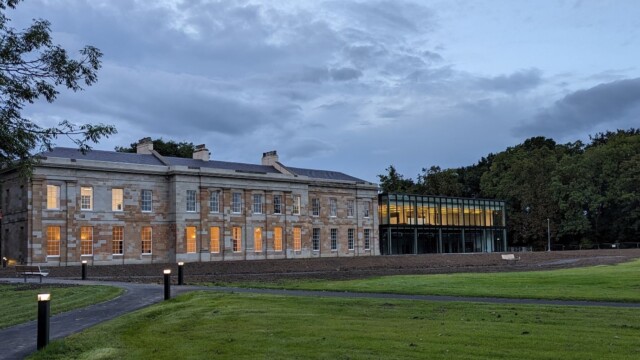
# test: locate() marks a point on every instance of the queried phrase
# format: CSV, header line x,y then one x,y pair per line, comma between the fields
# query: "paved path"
x,y
18,341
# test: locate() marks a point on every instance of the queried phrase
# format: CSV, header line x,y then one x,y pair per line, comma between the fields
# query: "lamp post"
x,y
167,284
43,320
181,273
84,269
548,236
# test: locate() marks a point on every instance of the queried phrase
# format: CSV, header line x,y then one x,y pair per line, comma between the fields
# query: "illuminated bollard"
x,y
4,262
43,320
180,273
167,284
84,269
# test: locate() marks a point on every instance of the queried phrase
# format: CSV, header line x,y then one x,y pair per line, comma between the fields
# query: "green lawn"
x,y
619,282
206,325
18,302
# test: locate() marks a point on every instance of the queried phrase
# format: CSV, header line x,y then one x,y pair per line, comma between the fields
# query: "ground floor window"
x,y
53,241
147,236
191,239
297,239
214,233
117,239
334,239
351,239
257,239
86,240
367,239
236,234
277,239
315,239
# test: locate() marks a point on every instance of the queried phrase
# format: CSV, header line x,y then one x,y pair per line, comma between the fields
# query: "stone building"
x,y
122,208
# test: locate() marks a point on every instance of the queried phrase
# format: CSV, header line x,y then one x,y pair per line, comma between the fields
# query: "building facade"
x,y
415,224
121,208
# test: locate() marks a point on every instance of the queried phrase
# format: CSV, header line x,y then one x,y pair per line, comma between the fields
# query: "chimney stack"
x,y
269,158
145,146
201,153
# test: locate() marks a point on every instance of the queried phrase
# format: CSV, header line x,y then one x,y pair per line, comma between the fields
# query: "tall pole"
x,y
548,236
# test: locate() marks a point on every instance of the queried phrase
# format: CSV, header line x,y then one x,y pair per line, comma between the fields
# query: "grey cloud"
x,y
516,82
308,148
390,113
617,101
432,56
344,74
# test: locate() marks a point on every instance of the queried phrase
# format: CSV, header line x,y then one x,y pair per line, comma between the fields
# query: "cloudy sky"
x,y
352,86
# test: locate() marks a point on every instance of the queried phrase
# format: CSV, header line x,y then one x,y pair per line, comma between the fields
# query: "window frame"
x,y
191,203
51,241
277,238
277,204
297,205
315,206
236,238
351,208
214,202
367,239
83,242
114,199
82,198
333,238
236,203
257,239
144,201
214,238
57,196
114,240
351,239
315,239
366,213
257,203
148,241
333,207
191,239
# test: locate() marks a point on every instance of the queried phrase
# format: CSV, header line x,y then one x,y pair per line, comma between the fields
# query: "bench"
x,y
510,257
31,270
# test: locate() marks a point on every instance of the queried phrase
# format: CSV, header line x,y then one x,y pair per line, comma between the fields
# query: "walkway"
x,y
19,341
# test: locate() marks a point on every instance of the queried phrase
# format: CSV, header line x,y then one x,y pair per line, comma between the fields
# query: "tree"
x,y
165,148
394,182
32,67
436,181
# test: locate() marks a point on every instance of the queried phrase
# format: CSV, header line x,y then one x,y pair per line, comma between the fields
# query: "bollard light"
x,y
167,284
44,310
181,273
84,269
4,262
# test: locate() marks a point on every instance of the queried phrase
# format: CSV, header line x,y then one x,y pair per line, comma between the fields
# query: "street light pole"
x,y
548,236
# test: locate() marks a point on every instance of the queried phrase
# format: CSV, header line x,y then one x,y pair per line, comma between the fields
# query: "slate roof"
x,y
148,159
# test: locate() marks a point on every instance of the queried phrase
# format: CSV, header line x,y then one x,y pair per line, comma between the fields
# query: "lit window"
x,y
53,197
117,240
191,239
367,209
86,198
117,198
86,240
146,239
236,203
315,239
53,241
257,239
296,204
257,203
334,239
315,207
297,239
191,201
333,207
214,202
236,234
215,239
351,238
277,238
146,201
277,204
367,239
350,208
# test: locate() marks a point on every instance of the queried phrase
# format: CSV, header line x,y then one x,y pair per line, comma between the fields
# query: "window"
x,y
367,239
257,203
315,239
214,201
333,207
86,198
146,239
257,239
315,207
191,201
236,203
277,204
53,241
350,208
191,239
334,239
296,204
277,238
215,239
367,209
86,240
146,203
297,239
53,197
351,236
117,240
117,198
236,234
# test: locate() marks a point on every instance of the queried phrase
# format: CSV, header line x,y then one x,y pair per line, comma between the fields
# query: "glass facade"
x,y
420,224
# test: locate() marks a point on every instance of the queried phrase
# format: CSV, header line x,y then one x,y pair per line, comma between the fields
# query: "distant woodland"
x,y
589,192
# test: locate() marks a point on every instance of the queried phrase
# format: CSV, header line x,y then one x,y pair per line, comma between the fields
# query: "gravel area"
x,y
347,268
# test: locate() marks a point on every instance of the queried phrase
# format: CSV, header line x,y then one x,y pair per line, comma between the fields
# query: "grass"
x,y
205,325
18,302
619,282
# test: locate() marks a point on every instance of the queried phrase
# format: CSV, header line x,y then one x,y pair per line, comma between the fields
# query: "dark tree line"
x,y
590,193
